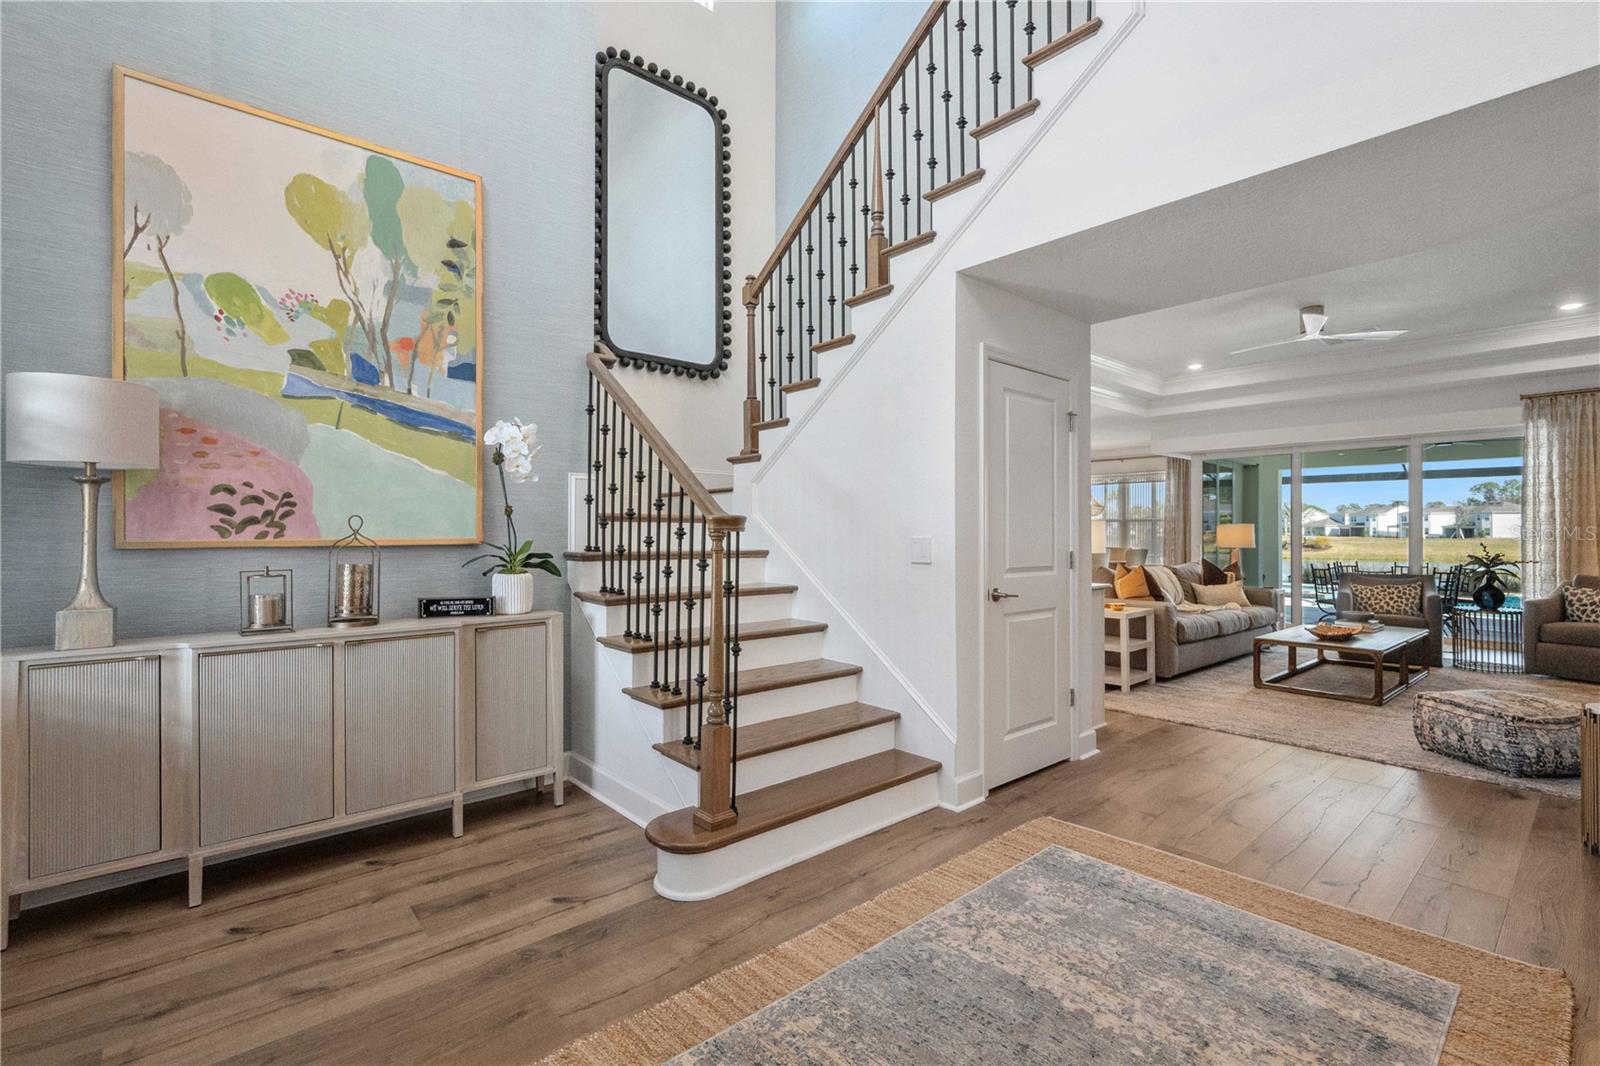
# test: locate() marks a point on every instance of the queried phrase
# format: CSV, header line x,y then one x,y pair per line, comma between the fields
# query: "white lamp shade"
x,y
72,419
1236,535
1097,535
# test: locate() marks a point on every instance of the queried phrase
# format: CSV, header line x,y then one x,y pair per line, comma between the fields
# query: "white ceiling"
x,y
1467,230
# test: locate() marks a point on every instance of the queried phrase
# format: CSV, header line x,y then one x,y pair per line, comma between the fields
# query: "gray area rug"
x,y
1064,958
1222,697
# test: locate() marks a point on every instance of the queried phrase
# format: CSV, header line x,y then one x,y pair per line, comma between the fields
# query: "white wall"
x,y
730,50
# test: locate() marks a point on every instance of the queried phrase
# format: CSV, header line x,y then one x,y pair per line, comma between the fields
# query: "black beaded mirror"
x,y
663,272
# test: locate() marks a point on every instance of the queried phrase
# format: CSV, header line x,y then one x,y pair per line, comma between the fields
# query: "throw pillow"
x,y
1580,604
1164,583
1396,598
1131,584
1212,574
1231,594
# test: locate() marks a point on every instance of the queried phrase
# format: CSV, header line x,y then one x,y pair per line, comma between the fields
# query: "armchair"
x,y
1560,648
1431,617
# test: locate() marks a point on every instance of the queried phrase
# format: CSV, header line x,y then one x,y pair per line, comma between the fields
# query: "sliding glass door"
x,y
1412,505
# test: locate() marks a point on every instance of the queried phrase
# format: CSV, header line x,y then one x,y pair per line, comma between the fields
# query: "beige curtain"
x,y
1175,514
1560,488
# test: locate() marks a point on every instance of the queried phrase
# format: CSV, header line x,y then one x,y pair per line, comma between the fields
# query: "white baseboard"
x,y
969,792
627,801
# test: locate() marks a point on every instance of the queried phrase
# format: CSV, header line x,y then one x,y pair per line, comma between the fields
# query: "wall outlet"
x,y
922,551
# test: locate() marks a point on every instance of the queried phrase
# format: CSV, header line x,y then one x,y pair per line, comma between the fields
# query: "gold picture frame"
x,y
343,423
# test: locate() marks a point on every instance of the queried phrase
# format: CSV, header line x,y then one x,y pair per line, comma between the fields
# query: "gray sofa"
x,y
1186,641
1554,646
1431,618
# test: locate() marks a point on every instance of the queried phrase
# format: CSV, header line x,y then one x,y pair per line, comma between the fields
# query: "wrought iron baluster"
x,y
917,134
591,529
977,78
905,164
961,87
630,576
888,113
808,285
1028,28
731,671
994,53
944,37
833,297
1011,41
702,564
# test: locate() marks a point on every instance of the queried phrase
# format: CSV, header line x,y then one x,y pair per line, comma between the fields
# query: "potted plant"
x,y
1487,569
515,448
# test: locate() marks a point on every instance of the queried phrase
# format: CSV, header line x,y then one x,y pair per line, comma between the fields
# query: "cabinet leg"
x,y
13,906
196,866
558,786
458,815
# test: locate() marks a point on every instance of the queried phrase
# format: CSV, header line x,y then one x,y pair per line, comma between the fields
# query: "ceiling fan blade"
x,y
1365,335
1278,344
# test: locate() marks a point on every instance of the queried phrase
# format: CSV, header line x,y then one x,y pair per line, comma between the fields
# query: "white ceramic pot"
x,y
513,593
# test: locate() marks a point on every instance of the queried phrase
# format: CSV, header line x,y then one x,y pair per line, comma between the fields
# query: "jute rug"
x,y
1507,1012
1223,698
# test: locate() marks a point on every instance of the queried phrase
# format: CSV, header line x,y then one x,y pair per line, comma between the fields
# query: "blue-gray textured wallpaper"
x,y
504,90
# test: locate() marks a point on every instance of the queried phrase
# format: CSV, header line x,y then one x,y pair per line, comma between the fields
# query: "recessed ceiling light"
x,y
1196,366
1575,305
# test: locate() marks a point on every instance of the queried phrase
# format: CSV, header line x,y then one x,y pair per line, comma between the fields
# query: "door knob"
x,y
995,595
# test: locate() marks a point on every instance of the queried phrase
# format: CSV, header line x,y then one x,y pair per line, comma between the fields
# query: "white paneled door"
x,y
1027,653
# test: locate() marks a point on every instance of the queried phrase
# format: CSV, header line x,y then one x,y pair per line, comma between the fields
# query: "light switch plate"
x,y
922,551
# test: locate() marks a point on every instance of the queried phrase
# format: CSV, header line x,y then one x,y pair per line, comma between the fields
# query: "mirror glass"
x,y
660,199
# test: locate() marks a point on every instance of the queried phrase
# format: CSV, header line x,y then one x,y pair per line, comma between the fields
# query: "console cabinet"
x,y
205,747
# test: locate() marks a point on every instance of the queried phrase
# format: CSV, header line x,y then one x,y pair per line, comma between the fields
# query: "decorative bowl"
x,y
1116,606
1330,631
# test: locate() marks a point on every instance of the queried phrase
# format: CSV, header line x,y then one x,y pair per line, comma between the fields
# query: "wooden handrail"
x,y
857,127
600,362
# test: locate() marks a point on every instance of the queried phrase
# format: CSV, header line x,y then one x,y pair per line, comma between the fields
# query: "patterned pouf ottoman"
x,y
1513,732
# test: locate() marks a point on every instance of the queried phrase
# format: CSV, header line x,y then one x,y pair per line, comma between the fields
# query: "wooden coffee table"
x,y
1367,651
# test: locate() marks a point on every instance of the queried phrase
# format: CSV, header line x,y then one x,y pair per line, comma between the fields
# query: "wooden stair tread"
x,y
772,423
971,177
1000,122
790,801
801,386
838,342
748,631
925,237
866,295
742,457
595,557
1062,43
764,738
748,588
715,492
757,679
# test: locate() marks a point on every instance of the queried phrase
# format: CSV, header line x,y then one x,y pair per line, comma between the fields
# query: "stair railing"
x,y
669,556
966,71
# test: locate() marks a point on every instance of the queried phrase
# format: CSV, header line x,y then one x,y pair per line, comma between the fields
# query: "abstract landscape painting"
x,y
307,306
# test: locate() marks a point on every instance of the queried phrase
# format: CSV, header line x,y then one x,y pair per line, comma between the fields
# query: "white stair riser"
x,y
799,760
765,608
585,576
769,651
776,703
691,877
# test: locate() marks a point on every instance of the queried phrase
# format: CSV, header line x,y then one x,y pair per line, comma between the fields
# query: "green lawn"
x,y
1436,551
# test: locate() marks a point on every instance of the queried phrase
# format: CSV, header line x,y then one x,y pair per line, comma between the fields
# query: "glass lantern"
x,y
353,564
266,601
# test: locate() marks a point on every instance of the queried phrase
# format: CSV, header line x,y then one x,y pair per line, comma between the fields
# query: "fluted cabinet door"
x,y
94,763
399,720
266,741
513,708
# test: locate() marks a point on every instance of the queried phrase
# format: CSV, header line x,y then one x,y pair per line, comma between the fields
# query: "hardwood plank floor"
x,y
400,944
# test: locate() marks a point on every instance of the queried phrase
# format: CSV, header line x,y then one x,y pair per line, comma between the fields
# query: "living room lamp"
x,y
95,423
1236,535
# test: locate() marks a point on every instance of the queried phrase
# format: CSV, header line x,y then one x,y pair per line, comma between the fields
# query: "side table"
x,y
1122,644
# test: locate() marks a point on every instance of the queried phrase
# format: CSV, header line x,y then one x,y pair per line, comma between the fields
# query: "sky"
x,y
1449,490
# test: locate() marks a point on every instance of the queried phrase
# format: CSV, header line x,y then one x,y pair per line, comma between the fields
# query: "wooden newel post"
x,y
716,736
877,240
752,403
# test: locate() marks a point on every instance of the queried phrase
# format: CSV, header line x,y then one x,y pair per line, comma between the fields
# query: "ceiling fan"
x,y
1312,319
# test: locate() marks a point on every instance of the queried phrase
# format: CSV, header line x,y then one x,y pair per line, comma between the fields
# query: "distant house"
x,y
1316,522
1440,521
1492,520
1387,520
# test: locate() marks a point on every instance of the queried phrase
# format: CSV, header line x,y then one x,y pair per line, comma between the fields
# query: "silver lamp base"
x,y
88,621
85,627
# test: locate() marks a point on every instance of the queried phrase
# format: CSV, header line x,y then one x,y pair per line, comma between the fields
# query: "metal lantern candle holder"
x,y
353,564
266,601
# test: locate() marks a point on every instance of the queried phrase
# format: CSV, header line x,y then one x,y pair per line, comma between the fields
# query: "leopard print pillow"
x,y
1580,604
1399,598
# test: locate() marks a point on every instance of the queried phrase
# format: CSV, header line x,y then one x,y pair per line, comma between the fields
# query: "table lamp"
x,y
72,420
1236,535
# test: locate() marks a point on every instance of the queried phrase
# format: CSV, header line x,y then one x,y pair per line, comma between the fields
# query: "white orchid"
x,y
518,446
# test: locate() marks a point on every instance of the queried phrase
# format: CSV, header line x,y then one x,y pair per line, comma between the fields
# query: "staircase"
x,y
719,721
